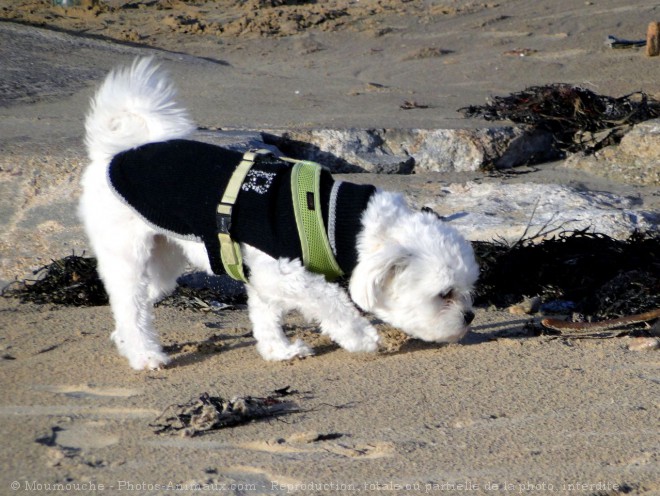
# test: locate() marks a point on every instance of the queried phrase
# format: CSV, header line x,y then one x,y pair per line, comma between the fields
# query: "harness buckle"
x,y
223,217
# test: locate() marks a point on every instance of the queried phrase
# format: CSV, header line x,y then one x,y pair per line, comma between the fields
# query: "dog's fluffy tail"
x,y
134,106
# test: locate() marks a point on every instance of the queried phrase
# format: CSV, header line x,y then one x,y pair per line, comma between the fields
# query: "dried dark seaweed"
x,y
592,273
70,281
577,118
207,413
74,281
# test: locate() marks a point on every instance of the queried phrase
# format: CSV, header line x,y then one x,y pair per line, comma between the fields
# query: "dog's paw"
x,y
278,351
149,360
365,341
149,357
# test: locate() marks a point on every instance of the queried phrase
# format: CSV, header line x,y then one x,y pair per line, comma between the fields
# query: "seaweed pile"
x,y
577,118
208,413
70,281
74,281
580,271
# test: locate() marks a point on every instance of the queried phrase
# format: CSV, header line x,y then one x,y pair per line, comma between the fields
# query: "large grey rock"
x,y
636,160
341,150
464,150
239,140
493,210
405,150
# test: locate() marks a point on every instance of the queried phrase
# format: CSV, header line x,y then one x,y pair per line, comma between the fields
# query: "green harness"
x,y
314,243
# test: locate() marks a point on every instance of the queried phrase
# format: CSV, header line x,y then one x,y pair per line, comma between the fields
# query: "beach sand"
x,y
505,411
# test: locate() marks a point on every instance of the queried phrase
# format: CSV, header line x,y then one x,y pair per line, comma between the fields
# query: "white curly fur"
x,y
413,271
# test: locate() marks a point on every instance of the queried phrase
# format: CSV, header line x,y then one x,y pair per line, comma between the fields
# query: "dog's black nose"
x,y
468,317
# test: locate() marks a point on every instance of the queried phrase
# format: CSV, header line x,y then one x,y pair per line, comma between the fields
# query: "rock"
x,y
340,150
643,143
387,164
529,147
490,210
636,160
391,150
239,140
447,150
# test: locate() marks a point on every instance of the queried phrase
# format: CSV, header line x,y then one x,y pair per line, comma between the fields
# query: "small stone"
x,y
526,307
644,344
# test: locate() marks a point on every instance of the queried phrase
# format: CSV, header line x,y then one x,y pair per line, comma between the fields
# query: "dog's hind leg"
x,y
124,267
165,264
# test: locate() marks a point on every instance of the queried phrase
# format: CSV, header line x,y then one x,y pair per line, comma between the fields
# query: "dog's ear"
x,y
374,272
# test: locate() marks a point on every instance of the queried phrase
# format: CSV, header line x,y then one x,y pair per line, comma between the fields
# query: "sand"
x,y
500,408
505,411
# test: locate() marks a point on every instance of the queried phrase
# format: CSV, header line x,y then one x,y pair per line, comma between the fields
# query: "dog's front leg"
x,y
266,317
329,304
279,286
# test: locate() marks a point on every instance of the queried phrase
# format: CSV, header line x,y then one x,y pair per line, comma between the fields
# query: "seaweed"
x,y
74,281
207,413
573,270
577,118
69,281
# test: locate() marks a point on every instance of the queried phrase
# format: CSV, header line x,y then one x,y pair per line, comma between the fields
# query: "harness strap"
x,y
230,251
317,252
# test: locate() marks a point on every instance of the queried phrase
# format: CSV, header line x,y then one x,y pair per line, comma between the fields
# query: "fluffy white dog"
x,y
410,269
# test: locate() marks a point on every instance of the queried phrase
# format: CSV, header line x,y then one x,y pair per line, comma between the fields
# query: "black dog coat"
x,y
175,186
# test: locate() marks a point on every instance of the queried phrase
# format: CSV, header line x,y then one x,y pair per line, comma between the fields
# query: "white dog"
x,y
407,267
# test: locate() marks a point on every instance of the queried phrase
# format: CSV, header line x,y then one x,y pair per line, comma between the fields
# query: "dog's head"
x,y
414,271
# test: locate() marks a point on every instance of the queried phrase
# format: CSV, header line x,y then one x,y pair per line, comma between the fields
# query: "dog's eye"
x,y
447,295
